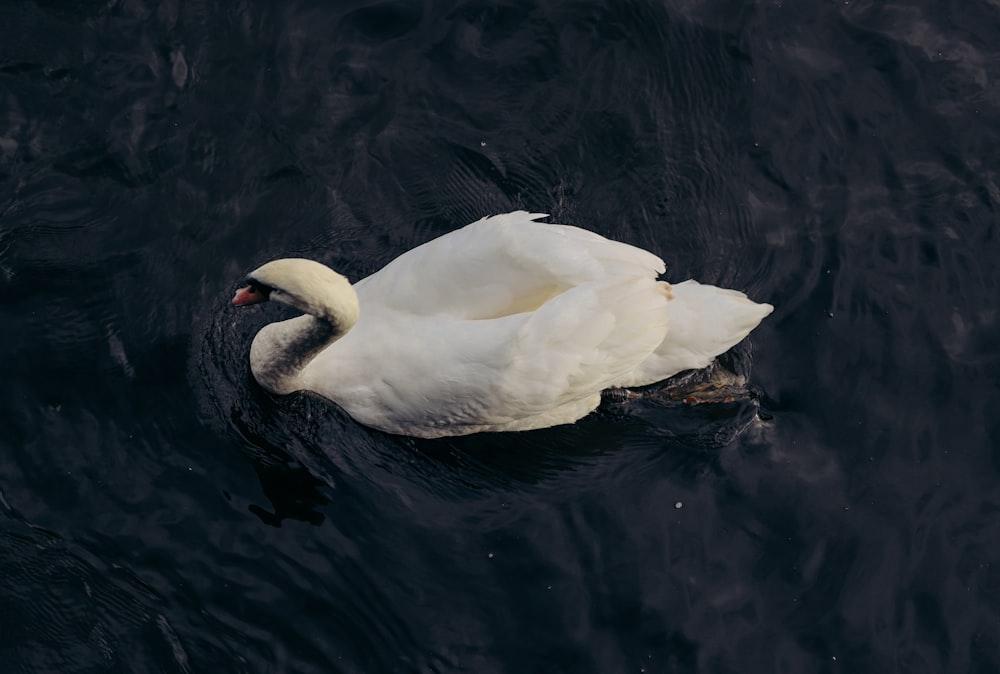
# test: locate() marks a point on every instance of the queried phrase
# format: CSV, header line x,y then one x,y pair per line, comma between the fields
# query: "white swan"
x,y
504,325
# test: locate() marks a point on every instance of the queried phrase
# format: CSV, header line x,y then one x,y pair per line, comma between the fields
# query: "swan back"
x,y
501,265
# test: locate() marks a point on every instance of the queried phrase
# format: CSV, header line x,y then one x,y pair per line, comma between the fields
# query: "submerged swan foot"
x,y
711,385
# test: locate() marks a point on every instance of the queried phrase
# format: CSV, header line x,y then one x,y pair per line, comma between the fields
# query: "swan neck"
x,y
281,351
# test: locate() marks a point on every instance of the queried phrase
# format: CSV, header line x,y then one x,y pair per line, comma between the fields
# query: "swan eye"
x,y
257,288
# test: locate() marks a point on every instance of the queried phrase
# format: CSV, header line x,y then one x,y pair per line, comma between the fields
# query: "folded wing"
x,y
502,265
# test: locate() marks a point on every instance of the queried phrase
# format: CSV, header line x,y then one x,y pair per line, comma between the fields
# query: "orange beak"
x,y
248,295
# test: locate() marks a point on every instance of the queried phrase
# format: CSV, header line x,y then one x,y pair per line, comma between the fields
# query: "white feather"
x,y
505,324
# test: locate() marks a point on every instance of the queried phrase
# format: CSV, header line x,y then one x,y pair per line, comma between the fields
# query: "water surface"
x,y
158,512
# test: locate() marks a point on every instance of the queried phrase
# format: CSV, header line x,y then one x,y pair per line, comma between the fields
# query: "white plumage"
x,y
506,324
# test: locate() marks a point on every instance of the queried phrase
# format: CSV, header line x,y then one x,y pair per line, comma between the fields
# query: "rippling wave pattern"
x,y
160,513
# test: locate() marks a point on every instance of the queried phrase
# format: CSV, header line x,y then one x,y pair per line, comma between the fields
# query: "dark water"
x,y
158,513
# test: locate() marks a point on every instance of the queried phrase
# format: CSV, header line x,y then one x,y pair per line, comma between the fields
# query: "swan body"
x,y
507,324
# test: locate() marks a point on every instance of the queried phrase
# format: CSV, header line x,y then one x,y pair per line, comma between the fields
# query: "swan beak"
x,y
248,295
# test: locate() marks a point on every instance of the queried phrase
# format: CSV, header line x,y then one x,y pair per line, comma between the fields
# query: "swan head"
x,y
309,286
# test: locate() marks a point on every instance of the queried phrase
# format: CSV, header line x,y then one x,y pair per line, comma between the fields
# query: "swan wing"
x,y
501,265
439,375
583,342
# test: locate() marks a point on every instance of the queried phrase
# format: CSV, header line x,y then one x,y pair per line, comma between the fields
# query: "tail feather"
x,y
704,322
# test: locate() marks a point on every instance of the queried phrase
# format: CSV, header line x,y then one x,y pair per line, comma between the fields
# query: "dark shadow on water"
x,y
309,455
295,491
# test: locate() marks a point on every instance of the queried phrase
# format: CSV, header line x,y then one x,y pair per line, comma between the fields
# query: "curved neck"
x,y
280,351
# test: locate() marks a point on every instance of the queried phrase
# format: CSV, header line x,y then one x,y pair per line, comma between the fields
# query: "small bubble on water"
x,y
678,505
